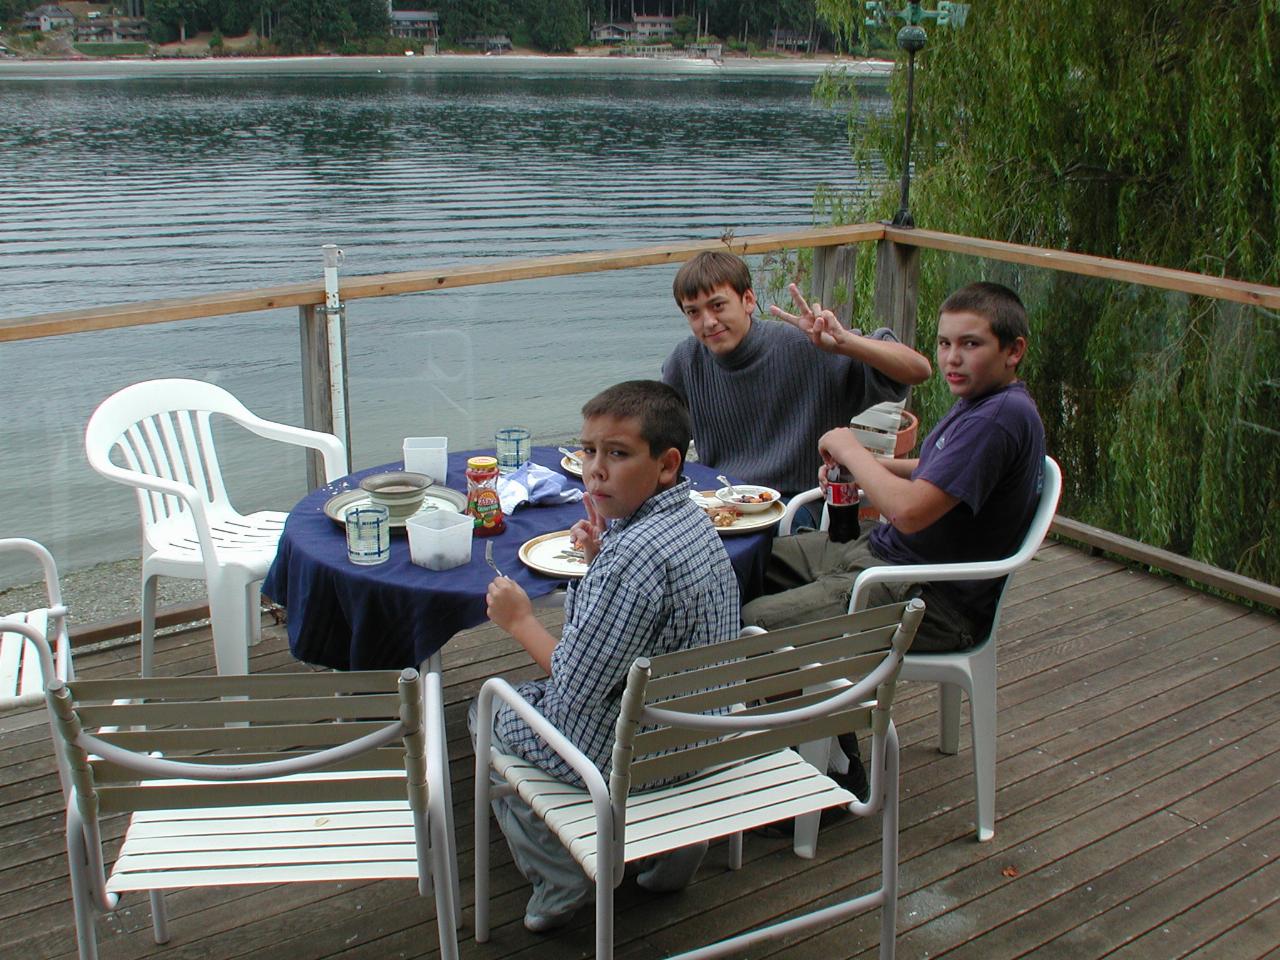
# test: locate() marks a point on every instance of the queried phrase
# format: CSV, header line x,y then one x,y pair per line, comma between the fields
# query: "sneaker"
x,y
536,921
672,871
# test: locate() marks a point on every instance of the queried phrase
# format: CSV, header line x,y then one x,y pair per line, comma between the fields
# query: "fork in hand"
x,y
488,558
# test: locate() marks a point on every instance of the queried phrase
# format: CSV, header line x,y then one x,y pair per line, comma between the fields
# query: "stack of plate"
x,y
399,491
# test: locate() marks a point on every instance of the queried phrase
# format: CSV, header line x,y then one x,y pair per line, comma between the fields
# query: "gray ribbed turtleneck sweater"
x,y
758,412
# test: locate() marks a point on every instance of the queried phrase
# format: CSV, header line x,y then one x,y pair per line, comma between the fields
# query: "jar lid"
x,y
482,463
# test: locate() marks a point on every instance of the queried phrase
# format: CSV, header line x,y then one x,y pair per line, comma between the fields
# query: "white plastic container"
x,y
429,455
440,540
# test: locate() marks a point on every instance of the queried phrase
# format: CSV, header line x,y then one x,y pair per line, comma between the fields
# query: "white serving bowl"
x,y
749,490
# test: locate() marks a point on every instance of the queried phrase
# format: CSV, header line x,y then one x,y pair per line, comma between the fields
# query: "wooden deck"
x,y
1137,811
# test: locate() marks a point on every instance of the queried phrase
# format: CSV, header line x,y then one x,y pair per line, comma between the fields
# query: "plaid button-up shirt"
x,y
661,582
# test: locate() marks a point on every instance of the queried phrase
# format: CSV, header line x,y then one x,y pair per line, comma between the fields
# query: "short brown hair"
x,y
998,304
707,271
663,416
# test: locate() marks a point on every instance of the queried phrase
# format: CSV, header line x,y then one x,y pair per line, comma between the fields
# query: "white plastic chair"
x,y
877,427
34,647
972,670
743,774
162,432
235,780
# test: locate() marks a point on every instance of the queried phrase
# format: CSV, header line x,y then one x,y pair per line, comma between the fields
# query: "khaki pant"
x,y
811,578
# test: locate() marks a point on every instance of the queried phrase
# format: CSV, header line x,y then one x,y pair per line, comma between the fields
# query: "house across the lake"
x,y
644,29
46,17
415,24
89,22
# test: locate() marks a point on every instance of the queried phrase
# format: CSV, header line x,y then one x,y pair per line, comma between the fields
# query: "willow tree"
x,y
1130,129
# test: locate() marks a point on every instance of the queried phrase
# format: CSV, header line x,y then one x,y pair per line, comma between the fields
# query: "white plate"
x,y
748,522
571,465
549,554
437,498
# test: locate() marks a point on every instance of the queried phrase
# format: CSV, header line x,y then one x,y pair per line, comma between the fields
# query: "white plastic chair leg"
x,y
889,851
81,895
230,640
735,851
805,840
159,916
604,908
253,607
481,878
982,710
148,625
443,878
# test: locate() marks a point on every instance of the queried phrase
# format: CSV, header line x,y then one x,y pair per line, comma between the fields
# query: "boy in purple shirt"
x,y
970,496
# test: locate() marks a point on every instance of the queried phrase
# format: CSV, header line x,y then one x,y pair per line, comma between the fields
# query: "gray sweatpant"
x,y
559,885
811,578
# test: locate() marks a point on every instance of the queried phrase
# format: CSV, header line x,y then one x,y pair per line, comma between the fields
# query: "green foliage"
x,y
556,26
112,49
460,19
170,20
686,30
1145,132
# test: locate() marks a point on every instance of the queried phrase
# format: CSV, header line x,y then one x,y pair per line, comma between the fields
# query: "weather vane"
x,y
912,39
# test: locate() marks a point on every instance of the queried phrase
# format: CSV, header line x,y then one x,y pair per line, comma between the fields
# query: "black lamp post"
x,y
912,39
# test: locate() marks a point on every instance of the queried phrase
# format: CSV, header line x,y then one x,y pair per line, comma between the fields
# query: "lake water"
x,y
119,188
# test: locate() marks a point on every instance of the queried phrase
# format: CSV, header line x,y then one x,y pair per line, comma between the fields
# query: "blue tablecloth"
x,y
397,614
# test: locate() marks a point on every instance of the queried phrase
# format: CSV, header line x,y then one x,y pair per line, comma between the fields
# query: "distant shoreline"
x,y
132,68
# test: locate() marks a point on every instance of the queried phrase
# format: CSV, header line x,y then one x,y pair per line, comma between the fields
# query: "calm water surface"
x,y
118,190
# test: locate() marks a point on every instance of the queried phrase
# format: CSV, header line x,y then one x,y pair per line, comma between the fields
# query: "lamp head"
x,y
912,38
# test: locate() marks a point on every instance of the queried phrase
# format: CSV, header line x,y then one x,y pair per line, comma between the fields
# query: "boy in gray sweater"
x,y
761,393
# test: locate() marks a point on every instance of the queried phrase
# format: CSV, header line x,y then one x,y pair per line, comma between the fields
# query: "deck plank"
x,y
1139,748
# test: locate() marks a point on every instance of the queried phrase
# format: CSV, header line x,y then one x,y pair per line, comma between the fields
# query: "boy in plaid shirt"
x,y
658,580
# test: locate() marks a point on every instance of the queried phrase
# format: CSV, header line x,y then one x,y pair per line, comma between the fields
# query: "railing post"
x,y
324,368
834,278
897,288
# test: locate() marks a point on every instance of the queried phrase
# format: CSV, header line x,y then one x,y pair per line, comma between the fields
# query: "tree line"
x,y
307,26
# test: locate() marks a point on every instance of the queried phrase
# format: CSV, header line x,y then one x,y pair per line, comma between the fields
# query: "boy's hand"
x,y
586,534
820,326
838,445
507,603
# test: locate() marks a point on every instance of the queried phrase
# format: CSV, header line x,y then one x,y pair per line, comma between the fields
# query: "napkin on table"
x,y
533,483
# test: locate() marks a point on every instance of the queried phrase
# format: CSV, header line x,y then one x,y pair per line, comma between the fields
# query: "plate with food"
x,y
572,463
553,554
729,519
749,497
436,498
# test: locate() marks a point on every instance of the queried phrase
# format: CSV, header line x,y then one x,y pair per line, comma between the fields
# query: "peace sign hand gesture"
x,y
586,534
820,326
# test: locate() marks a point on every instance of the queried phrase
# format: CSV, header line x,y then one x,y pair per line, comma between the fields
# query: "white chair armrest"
x,y
51,588
924,572
331,448
496,687
793,505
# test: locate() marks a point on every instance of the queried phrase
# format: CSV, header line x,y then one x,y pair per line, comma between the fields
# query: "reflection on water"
x,y
123,190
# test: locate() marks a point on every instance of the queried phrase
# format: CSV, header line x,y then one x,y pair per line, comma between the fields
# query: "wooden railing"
x,y
835,252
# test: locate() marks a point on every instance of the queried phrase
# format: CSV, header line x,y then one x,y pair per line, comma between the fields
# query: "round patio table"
x,y
397,614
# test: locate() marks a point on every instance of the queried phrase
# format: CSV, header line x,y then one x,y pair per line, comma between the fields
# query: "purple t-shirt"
x,y
989,454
